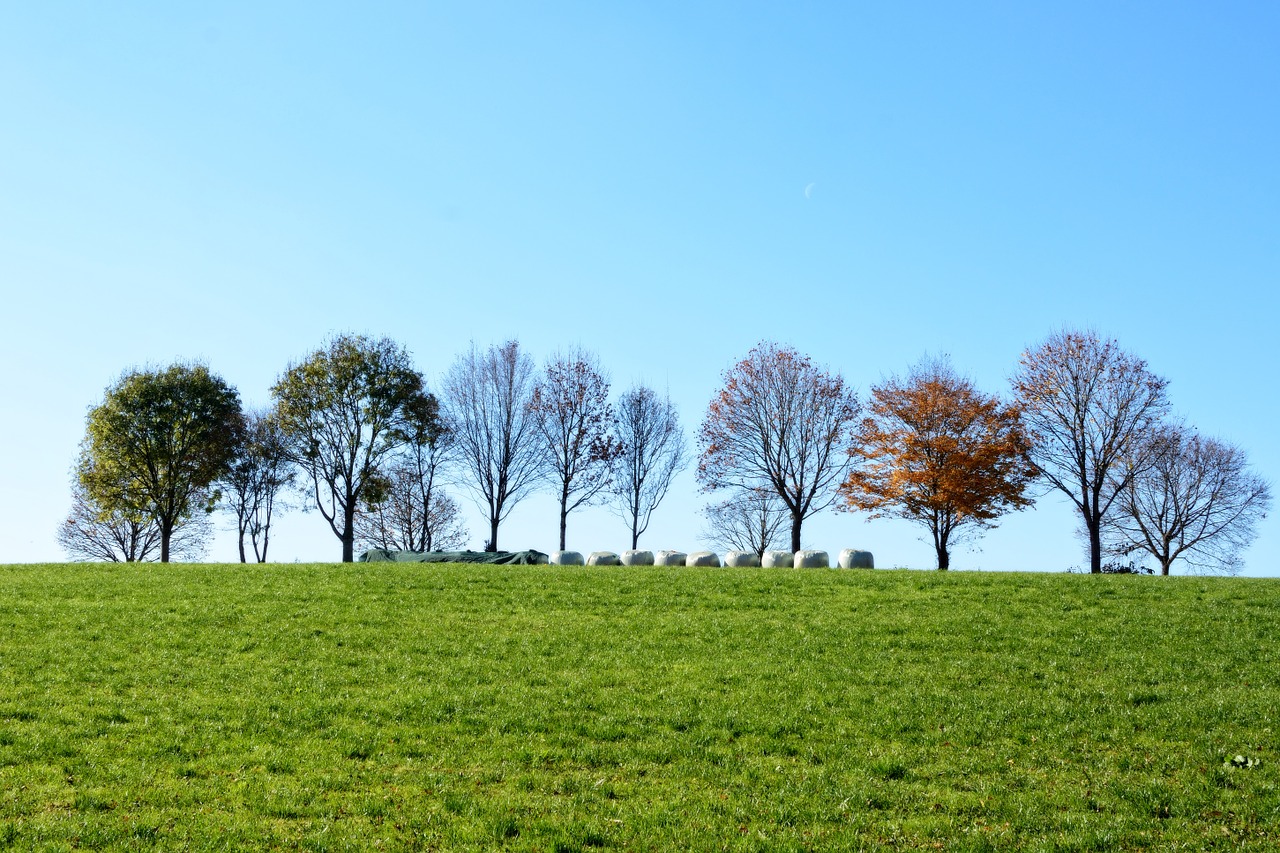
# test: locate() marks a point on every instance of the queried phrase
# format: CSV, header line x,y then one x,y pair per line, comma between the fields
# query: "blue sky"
x,y
235,182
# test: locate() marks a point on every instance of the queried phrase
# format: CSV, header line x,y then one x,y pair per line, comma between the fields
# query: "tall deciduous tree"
x,y
574,421
157,442
486,397
936,451
747,521
783,424
1087,404
344,411
653,452
252,485
1197,501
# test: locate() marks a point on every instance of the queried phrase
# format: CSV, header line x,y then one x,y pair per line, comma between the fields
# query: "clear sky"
x,y
234,182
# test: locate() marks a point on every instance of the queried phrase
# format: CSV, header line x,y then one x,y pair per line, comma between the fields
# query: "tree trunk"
x,y
635,519
349,532
166,532
492,544
796,521
1095,546
564,513
262,558
944,557
242,557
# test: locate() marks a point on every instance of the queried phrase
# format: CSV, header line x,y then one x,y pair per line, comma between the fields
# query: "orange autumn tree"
x,y
936,451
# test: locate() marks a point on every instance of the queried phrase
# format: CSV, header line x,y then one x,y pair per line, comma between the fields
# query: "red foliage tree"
x,y
938,452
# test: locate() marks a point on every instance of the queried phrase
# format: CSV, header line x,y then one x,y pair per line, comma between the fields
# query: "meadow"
x,y
402,706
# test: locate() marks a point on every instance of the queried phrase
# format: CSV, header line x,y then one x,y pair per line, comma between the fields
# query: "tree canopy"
x,y
936,451
487,395
653,452
344,410
156,443
1087,405
575,423
1197,500
252,484
783,424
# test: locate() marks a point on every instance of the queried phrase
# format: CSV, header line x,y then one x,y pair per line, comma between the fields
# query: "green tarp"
x,y
523,558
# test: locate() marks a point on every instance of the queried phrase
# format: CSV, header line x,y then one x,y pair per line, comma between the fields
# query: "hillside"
x,y
330,707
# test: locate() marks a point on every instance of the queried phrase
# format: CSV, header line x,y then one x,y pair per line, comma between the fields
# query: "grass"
x,y
323,707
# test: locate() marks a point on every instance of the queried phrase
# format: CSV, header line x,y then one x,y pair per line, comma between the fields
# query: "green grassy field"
x,y
325,707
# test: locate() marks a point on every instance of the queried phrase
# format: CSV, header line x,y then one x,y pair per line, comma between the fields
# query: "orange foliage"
x,y
935,450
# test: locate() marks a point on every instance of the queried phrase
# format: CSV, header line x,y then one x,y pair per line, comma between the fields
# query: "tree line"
x,y
354,427
354,431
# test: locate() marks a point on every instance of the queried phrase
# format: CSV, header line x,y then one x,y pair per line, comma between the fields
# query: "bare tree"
x,y
750,520
93,533
403,522
1086,405
251,488
486,397
653,452
1197,501
574,421
783,424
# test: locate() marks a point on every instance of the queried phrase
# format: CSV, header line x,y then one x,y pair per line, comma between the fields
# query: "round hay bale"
x,y
702,558
812,560
565,558
603,558
637,558
742,558
669,558
777,560
852,558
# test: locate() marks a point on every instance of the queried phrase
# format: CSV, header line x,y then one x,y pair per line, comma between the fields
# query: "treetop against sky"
x,y
665,186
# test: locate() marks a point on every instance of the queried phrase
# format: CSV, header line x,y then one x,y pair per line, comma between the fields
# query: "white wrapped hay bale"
x,y
742,558
812,560
777,560
603,558
637,558
703,558
565,558
852,558
669,558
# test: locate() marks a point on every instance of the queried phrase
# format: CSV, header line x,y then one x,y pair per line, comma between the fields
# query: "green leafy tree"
x,y
156,443
345,411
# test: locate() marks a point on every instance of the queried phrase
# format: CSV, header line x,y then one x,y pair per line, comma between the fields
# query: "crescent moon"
x,y
808,190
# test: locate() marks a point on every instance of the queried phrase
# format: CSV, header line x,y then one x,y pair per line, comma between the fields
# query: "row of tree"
x,y
1086,419
354,425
